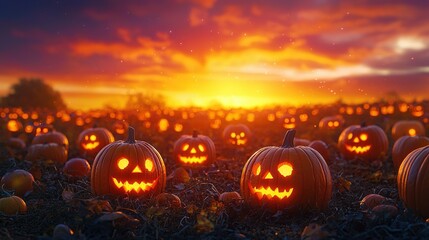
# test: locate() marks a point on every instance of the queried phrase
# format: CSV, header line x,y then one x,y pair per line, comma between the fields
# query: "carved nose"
x,y
137,169
193,150
356,140
268,176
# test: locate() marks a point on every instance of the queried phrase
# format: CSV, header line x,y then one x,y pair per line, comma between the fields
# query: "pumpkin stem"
x,y
288,139
195,133
131,135
363,124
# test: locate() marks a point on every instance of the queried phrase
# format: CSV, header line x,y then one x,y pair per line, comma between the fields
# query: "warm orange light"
x,y
123,163
137,169
285,169
185,147
257,169
412,132
358,149
193,159
363,137
148,164
135,186
163,125
271,193
201,147
268,175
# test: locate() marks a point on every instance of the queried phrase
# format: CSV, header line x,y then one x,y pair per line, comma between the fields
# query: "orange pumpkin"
x,y
236,134
12,205
195,150
49,153
363,142
77,168
129,167
331,122
19,181
322,148
51,137
92,140
407,128
286,177
14,126
413,181
404,145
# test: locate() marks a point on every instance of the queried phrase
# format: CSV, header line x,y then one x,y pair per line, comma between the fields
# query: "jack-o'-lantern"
x,y
195,150
120,127
413,180
14,125
363,142
289,122
51,137
236,134
277,177
407,128
404,145
331,122
92,140
42,128
129,167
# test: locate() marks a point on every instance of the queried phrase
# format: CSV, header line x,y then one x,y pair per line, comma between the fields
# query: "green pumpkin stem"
x,y
131,135
195,133
288,140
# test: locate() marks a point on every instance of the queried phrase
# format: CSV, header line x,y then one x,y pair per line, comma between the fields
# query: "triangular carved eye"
x,y
285,169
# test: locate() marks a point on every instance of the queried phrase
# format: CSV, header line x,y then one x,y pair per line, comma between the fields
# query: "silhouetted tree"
x,y
145,101
32,94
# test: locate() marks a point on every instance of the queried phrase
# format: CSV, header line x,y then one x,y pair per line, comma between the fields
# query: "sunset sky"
x,y
237,52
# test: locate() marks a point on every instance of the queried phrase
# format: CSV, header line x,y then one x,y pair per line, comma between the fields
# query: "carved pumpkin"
x,y
120,127
331,122
195,150
289,122
14,126
286,177
12,205
77,168
51,137
92,140
49,153
413,181
363,142
129,167
404,145
19,181
236,134
407,128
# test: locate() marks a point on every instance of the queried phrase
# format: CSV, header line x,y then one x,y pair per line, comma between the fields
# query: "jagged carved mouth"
x,y
358,149
270,193
193,159
134,186
238,142
289,125
90,146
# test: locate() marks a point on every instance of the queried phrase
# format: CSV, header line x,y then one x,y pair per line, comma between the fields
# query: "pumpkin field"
x,y
332,171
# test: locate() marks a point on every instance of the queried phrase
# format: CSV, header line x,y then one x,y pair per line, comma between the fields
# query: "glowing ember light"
x,y
270,193
135,186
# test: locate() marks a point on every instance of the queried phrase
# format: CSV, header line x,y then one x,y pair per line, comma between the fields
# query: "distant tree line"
x,y
33,93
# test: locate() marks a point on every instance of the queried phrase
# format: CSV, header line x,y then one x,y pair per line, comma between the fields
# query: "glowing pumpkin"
x,y
92,140
413,180
195,150
14,125
289,122
331,122
286,177
407,128
363,142
404,145
129,167
236,134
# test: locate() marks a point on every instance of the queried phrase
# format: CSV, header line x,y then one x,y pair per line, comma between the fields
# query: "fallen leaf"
x,y
203,224
97,206
343,184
